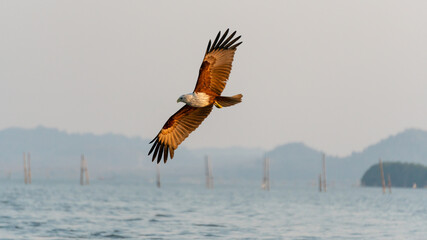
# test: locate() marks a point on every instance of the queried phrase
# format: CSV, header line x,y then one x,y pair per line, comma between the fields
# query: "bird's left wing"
x,y
216,65
176,129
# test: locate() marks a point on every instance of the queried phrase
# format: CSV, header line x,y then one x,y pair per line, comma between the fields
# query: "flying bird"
x,y
213,76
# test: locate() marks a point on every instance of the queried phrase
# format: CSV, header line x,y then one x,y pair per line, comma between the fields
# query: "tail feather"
x,y
228,101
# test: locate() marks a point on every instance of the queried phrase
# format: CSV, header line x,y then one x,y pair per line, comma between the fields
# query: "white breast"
x,y
197,99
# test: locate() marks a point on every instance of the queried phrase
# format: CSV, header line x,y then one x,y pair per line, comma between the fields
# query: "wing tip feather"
x,y
223,43
154,139
236,45
161,150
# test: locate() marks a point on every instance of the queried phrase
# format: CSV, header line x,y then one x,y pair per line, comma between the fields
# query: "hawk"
x,y
213,76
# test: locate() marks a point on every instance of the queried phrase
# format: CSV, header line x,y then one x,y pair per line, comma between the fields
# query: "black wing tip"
x,y
153,139
236,45
223,43
160,150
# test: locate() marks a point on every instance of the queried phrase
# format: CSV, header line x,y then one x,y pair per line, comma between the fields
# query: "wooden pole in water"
x,y
158,176
389,184
267,162
264,174
208,172
324,171
320,182
382,176
29,167
266,177
86,172
82,170
25,170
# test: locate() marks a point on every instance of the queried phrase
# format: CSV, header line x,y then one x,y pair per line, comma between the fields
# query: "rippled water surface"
x,y
106,210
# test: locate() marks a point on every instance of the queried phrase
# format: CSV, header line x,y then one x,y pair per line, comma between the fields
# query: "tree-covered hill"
x,y
401,174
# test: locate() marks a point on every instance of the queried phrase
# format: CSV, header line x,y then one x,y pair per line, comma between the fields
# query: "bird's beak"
x,y
177,100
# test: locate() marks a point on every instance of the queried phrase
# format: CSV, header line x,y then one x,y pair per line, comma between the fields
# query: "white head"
x,y
186,98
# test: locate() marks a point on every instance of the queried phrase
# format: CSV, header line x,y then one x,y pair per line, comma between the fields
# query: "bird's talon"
x,y
218,105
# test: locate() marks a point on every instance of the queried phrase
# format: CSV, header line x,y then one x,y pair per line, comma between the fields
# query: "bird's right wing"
x,y
176,129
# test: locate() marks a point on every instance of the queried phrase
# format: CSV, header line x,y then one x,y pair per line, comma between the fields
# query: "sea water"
x,y
131,210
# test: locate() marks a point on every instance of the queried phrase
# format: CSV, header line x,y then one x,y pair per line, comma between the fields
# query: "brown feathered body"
x,y
213,76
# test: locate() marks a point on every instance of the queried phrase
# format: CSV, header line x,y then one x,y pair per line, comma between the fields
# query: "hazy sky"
x,y
336,75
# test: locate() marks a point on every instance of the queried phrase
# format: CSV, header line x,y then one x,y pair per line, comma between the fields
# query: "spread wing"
x,y
216,65
176,129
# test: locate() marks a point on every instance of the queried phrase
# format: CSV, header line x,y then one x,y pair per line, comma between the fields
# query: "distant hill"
x,y
408,146
297,161
401,175
56,154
